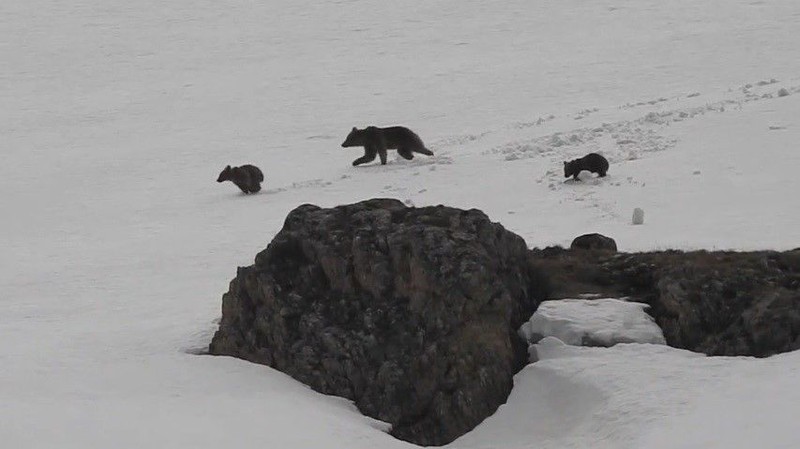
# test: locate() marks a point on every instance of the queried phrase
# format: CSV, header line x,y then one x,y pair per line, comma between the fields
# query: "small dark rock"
x,y
550,251
594,242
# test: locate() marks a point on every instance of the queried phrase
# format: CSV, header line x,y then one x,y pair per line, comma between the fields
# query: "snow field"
x,y
117,243
642,395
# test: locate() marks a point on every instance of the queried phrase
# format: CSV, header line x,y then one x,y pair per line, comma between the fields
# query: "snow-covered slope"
x,y
644,396
118,116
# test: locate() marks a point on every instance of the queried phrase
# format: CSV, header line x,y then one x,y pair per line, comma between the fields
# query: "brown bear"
x,y
377,140
592,162
248,178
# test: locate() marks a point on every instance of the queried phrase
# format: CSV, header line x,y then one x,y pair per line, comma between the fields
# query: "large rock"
x,y
731,303
410,312
718,303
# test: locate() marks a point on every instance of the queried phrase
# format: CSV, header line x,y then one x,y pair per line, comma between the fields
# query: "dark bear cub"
x,y
247,177
377,140
592,162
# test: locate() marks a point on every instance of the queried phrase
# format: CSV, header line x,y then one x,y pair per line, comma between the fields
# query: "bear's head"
x,y
225,175
571,168
354,139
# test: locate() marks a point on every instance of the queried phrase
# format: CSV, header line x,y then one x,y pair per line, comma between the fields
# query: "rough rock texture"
x,y
719,303
594,242
410,312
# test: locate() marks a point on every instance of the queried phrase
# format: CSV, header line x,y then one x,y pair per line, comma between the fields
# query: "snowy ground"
x,y
117,243
645,396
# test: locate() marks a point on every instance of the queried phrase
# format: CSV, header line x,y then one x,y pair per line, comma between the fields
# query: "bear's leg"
x,y
382,154
368,156
243,187
405,153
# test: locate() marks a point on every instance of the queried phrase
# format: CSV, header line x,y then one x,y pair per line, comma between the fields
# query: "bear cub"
x,y
377,140
592,162
248,178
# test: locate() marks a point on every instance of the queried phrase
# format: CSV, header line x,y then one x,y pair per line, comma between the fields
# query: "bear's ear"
x,y
565,163
355,129
228,167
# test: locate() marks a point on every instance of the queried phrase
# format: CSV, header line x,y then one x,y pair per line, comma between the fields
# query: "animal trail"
x,y
631,139
458,140
538,122
585,113
399,164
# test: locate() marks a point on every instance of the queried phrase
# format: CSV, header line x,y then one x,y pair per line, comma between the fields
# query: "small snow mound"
x,y
638,216
783,92
592,322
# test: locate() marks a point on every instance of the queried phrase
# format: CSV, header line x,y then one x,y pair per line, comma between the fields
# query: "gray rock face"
x,y
410,312
731,303
718,303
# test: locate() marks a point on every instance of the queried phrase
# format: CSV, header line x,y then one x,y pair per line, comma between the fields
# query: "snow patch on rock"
x,y
592,322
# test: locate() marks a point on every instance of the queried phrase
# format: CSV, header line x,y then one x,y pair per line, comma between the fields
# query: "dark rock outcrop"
x,y
718,303
594,242
410,312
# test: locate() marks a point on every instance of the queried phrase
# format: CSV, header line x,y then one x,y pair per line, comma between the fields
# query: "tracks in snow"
x,y
626,133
